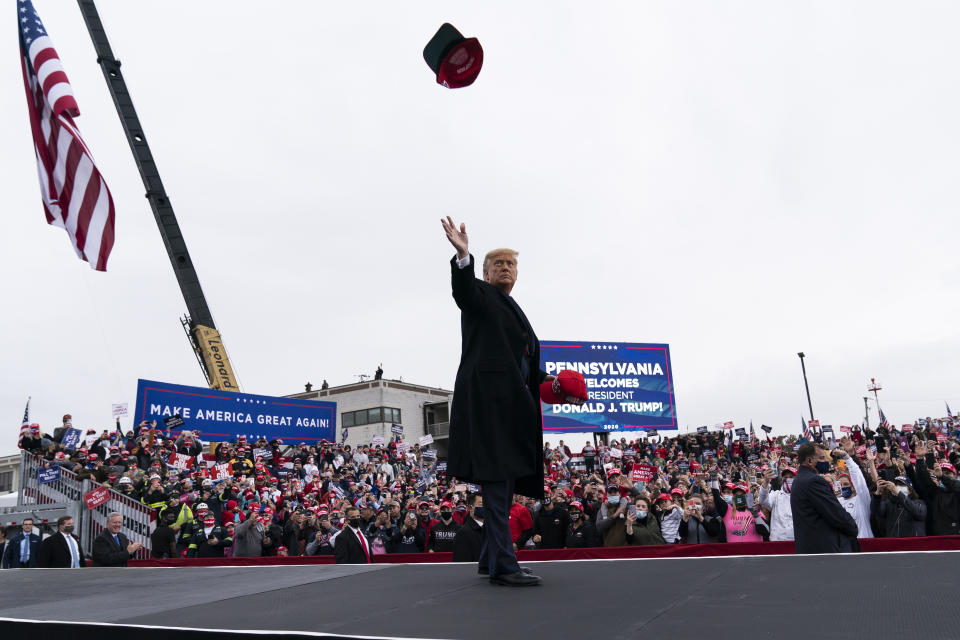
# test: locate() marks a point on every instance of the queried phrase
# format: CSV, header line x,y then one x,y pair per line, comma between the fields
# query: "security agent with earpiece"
x,y
820,523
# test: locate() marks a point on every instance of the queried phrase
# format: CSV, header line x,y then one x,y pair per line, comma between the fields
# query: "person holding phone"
x,y
641,526
697,527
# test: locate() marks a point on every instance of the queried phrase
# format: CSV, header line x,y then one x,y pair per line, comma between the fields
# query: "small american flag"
x,y
806,433
74,195
25,425
883,419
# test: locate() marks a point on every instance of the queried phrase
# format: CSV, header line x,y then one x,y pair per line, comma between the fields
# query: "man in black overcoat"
x,y
495,423
820,523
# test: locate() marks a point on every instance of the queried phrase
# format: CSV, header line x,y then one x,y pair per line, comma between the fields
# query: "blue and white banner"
x,y
48,475
630,387
71,438
224,415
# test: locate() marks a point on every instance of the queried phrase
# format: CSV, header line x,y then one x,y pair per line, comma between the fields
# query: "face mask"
x,y
641,515
354,522
740,502
478,513
823,467
728,498
574,516
68,529
903,491
788,484
613,499
846,492
446,515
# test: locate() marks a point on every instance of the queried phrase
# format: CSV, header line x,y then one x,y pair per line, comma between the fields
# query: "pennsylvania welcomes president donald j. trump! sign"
x,y
630,387
223,415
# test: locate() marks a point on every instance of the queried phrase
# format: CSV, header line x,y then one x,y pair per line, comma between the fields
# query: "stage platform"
x,y
868,595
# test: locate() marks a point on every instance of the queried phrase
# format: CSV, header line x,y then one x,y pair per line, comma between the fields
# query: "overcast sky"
x,y
742,180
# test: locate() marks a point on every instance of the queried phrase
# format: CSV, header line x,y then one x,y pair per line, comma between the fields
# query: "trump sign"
x,y
630,387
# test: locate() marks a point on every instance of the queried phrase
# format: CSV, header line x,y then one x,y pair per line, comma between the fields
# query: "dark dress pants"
x,y
496,547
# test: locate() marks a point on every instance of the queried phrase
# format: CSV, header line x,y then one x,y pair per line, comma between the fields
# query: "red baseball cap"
x,y
947,465
568,387
456,60
662,496
446,503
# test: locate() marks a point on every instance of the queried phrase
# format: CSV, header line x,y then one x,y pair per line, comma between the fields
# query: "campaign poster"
x,y
630,386
223,415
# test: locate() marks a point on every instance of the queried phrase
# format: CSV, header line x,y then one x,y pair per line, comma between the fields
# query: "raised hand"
x,y
457,237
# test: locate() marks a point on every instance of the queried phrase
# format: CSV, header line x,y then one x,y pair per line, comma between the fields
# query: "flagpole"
x,y
875,386
806,385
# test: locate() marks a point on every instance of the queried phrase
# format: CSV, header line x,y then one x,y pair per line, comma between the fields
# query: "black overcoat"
x,y
496,429
820,523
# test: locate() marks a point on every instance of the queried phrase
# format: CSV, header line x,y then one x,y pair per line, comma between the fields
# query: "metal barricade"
x,y
66,489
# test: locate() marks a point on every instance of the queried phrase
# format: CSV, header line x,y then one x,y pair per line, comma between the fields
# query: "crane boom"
x,y
201,331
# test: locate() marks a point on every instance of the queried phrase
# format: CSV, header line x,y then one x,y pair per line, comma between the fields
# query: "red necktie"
x,y
363,543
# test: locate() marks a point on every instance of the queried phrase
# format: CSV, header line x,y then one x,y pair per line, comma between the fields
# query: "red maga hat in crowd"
x,y
568,387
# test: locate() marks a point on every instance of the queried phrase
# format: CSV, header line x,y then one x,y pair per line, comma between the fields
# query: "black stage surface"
x,y
884,595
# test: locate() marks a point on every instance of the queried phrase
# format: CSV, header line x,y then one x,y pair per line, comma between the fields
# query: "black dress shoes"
x,y
482,571
517,579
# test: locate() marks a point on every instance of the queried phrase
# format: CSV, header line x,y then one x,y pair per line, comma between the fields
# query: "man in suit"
x,y
22,549
112,548
820,523
62,549
496,435
469,538
350,546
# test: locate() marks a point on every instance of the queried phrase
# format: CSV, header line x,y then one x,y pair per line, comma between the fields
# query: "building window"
x,y
375,415
6,481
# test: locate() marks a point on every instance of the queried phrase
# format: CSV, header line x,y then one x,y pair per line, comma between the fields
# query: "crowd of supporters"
x,y
270,498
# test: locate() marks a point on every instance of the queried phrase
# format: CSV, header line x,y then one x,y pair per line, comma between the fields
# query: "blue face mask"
x,y
846,492
613,499
823,467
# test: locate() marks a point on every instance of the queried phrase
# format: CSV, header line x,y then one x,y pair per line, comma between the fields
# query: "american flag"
x,y
806,433
25,425
74,195
883,419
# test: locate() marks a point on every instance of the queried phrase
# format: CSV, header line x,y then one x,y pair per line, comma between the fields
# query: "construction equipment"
x,y
198,324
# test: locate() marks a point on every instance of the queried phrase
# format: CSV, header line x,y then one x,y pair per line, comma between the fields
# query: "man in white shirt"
x,y
62,549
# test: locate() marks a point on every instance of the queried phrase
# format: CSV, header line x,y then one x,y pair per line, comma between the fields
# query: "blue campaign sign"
x,y
630,386
48,475
71,438
224,415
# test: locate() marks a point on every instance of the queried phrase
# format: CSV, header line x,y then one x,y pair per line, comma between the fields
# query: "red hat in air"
x,y
456,60
568,387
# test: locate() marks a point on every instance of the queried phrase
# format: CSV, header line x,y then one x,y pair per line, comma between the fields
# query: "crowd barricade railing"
x,y
929,543
67,489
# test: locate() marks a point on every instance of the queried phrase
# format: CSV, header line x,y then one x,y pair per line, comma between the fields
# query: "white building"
x,y
9,473
370,408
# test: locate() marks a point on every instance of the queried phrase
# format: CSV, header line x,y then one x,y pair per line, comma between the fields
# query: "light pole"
x,y
806,385
875,386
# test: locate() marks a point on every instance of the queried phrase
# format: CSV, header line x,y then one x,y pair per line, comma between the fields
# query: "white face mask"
x,y
904,491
